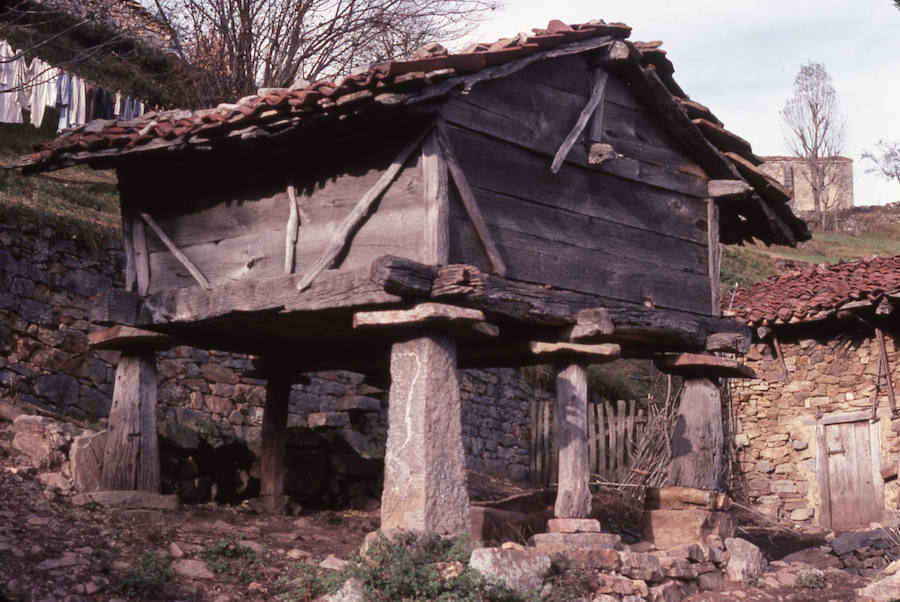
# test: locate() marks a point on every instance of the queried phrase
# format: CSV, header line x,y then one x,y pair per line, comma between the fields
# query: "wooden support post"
x,y
573,497
424,466
698,437
274,439
885,368
131,457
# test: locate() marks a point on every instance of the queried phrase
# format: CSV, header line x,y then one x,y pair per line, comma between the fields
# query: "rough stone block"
x,y
521,570
746,561
558,543
86,460
144,500
328,419
646,567
674,527
623,586
44,440
602,560
711,581
573,525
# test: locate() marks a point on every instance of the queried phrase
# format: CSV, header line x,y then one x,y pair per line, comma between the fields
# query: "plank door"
x,y
855,492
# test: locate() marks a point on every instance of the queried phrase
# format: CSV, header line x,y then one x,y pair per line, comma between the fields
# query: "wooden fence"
x,y
614,428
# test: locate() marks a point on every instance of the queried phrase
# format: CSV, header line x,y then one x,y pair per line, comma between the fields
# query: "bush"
x,y
146,578
228,557
811,581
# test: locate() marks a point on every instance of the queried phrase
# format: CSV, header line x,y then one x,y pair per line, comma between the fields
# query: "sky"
x,y
740,58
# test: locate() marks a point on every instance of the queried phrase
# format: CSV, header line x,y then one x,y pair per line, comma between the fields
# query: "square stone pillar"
x,y
573,497
424,471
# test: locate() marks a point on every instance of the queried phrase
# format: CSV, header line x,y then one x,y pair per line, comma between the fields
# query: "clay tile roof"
x,y
816,292
431,73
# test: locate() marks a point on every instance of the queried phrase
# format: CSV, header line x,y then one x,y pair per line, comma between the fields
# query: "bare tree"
x,y
886,159
237,46
815,132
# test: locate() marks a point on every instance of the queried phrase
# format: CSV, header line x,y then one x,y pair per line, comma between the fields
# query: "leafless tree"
x,y
886,159
237,46
815,133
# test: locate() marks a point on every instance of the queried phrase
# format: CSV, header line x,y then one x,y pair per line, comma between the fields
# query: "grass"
x,y
228,557
80,203
812,580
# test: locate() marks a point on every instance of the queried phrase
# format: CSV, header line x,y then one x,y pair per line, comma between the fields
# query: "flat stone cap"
x,y
698,365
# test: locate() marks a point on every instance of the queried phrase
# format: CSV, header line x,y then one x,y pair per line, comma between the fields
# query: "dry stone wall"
x,y
775,443
47,287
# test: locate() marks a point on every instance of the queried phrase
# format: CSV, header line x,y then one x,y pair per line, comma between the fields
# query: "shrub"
x,y
228,557
146,577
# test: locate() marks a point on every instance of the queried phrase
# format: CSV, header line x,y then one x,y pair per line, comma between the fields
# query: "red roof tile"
x,y
816,292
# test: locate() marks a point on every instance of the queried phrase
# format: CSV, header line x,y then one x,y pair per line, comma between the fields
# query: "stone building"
x,y
793,174
816,434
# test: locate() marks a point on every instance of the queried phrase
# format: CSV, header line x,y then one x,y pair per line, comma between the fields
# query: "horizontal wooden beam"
x,y
594,354
115,306
126,337
728,190
700,365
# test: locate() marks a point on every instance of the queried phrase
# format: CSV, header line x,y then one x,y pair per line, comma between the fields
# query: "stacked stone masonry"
x,y
775,442
47,287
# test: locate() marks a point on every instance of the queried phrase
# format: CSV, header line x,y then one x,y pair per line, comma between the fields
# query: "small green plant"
x,y
308,582
811,581
228,557
146,577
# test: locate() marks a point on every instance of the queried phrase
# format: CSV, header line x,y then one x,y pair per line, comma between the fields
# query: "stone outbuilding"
x,y
793,174
816,435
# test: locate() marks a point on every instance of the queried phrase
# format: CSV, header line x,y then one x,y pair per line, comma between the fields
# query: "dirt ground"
x,y
51,549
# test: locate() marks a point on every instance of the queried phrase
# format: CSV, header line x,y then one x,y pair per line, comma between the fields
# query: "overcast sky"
x,y
740,57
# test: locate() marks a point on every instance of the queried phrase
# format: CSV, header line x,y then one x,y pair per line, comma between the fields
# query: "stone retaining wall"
x,y
775,439
47,285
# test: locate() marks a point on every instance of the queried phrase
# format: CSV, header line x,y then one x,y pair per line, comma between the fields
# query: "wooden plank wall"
x,y
633,229
232,224
614,430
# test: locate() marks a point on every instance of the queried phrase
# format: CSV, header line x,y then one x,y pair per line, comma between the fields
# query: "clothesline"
x,y
39,85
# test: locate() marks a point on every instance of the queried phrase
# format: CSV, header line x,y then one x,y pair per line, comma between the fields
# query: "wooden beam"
x,y
126,337
292,231
698,439
131,457
728,190
784,369
437,202
573,496
470,203
115,306
885,368
274,441
141,253
594,354
767,186
714,257
341,237
596,99
591,324
693,365
179,255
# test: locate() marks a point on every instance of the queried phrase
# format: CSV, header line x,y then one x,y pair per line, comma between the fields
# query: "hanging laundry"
x,y
11,76
63,99
117,107
42,80
77,105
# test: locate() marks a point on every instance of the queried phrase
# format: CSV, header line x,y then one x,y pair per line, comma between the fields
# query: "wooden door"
x,y
852,489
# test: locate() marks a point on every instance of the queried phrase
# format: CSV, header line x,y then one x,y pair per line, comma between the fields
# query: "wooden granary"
x,y
547,196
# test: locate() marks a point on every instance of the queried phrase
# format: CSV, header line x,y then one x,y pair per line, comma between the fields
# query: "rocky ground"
x,y
56,546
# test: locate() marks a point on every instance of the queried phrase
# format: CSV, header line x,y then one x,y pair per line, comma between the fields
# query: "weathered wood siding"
x,y
230,221
633,229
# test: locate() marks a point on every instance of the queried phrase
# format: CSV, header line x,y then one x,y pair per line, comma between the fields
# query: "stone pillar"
x,y
274,441
573,497
698,437
424,472
131,457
